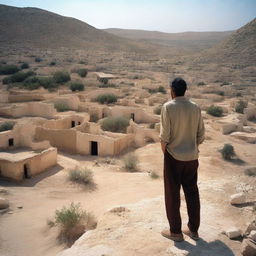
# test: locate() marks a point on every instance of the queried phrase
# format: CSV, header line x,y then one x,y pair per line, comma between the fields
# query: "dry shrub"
x,y
81,175
130,161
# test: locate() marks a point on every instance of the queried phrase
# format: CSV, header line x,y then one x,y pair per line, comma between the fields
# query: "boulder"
x,y
250,227
233,233
252,235
4,203
248,248
238,198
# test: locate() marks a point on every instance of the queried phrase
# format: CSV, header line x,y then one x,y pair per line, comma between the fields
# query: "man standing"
x,y
181,131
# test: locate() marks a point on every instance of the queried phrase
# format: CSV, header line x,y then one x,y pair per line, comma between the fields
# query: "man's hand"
x,y
163,146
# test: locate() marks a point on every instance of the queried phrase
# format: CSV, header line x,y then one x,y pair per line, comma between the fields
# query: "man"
x,y
181,131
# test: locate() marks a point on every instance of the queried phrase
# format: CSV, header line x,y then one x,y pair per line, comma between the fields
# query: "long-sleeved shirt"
x,y
182,128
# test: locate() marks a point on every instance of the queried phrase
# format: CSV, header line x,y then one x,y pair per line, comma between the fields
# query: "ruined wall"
x,y
4,139
35,165
72,101
63,139
123,143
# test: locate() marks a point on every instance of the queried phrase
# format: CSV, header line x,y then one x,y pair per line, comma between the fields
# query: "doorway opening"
x,y
94,148
26,172
11,142
133,116
73,124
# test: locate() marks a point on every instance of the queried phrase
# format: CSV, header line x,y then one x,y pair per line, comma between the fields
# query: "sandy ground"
x,y
25,232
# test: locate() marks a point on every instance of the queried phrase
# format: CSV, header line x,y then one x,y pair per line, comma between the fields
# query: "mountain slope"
x,y
200,40
39,28
239,48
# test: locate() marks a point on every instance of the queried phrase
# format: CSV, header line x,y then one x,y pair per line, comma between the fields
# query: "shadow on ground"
x,y
203,248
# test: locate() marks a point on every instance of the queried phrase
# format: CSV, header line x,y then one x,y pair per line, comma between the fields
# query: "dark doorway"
x,y
73,124
94,148
79,123
26,172
103,115
11,142
132,116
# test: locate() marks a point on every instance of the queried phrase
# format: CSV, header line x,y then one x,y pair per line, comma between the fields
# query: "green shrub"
x,y
240,106
8,69
73,222
115,124
107,86
52,63
221,93
103,80
82,72
130,161
61,107
215,111
37,59
157,110
76,86
201,83
61,77
159,89
94,117
227,151
153,175
81,175
24,65
17,77
224,83
6,126
107,98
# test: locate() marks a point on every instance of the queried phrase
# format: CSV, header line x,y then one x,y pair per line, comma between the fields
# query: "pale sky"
x,y
160,15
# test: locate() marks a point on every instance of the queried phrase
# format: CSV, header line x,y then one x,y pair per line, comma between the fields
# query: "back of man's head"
x,y
179,86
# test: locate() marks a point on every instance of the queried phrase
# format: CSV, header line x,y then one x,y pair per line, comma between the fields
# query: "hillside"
x,y
26,27
238,48
197,40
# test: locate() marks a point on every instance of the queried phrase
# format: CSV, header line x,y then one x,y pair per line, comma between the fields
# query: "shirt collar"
x,y
178,98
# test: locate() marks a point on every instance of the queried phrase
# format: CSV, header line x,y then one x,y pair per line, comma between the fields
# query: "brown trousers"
x,y
177,173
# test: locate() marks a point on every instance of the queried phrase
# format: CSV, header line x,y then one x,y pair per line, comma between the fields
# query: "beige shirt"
x,y
182,128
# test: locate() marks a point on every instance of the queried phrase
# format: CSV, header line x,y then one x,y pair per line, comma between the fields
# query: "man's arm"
x,y
200,130
164,128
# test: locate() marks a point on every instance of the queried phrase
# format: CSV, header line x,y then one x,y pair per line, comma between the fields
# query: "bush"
x,y
73,222
76,86
61,107
24,65
6,126
115,124
131,162
61,77
107,98
215,111
94,117
37,59
52,63
82,72
153,175
107,86
224,83
240,106
81,175
250,171
159,89
17,77
8,69
201,83
227,151
221,93
157,110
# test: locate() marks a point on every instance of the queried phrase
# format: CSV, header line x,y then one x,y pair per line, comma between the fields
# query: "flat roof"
x,y
104,75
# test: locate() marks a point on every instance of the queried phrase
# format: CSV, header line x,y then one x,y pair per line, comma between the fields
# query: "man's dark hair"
x,y
179,86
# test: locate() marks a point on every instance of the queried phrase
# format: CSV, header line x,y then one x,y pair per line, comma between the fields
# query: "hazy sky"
x,y
161,15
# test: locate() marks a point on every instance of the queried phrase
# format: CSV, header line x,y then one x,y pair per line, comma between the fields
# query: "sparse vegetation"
x,y
52,63
17,77
201,83
24,65
73,222
160,89
34,82
250,171
115,124
215,111
106,98
153,175
131,162
228,152
8,69
157,110
82,72
37,59
94,117
6,126
81,175
76,86
61,107
240,106
107,86
61,77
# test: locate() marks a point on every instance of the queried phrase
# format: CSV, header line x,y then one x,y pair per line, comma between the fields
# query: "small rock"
x,y
253,235
10,212
20,206
233,233
239,198
4,203
248,248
